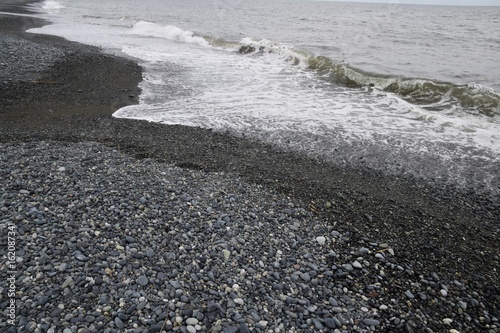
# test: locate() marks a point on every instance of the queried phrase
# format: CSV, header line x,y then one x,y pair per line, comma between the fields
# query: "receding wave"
x,y
428,94
431,95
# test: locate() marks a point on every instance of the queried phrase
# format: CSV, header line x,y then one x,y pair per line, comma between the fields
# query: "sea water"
x,y
404,89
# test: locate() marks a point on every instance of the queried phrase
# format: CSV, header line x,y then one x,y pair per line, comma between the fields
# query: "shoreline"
x,y
425,224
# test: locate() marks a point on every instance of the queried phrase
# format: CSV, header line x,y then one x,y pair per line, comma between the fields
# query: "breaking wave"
x,y
475,99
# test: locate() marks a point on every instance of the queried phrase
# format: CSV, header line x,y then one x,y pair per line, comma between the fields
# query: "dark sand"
x,y
436,228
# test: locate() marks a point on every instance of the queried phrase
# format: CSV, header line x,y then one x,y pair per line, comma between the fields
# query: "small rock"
x,y
321,240
118,323
142,280
192,321
80,256
330,323
357,264
67,282
371,322
409,294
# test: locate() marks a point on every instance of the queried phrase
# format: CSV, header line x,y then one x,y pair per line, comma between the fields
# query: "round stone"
x,y
192,321
142,280
321,240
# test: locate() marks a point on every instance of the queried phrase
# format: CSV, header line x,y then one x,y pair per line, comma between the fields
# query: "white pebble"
x,y
321,240
443,293
238,301
447,321
226,254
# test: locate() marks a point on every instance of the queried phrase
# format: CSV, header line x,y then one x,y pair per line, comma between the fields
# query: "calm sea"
x,y
401,88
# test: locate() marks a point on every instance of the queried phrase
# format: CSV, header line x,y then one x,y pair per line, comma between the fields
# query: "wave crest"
x,y
169,32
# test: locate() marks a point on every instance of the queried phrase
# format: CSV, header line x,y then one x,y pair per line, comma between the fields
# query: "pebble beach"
x,y
128,226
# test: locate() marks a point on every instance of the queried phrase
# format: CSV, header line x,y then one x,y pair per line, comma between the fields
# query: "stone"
x,y
409,294
67,282
142,280
321,240
330,323
371,322
192,321
357,264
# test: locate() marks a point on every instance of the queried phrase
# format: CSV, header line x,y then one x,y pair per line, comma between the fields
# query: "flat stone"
x,y
317,324
371,322
226,254
192,321
357,264
409,294
305,276
330,323
67,282
142,280
80,256
119,323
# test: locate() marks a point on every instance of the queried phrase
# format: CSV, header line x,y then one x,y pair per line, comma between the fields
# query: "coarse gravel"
x,y
360,250
109,243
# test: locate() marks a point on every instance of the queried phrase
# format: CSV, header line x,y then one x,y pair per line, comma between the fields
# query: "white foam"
x,y
52,6
169,32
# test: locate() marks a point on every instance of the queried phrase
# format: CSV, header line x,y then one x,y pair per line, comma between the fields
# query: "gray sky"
x,y
437,2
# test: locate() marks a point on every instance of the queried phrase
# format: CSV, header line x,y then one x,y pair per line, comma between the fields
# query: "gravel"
x,y
146,226
110,243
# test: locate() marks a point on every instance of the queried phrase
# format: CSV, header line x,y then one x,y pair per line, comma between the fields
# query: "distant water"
x,y
400,88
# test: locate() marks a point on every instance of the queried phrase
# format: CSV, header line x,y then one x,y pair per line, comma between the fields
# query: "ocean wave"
x,y
169,32
429,94
51,6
